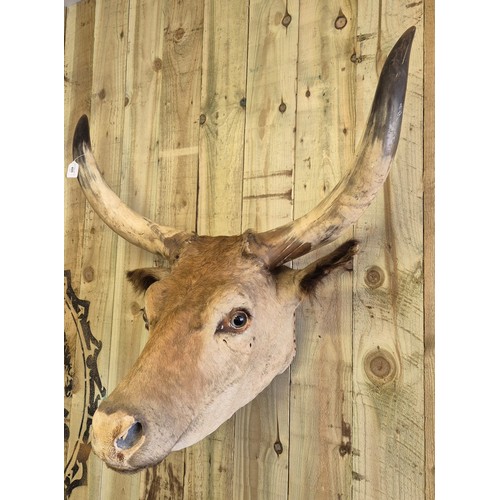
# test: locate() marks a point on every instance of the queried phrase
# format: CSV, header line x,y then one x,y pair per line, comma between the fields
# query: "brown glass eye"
x,y
237,321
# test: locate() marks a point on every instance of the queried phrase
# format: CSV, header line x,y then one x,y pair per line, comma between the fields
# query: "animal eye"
x,y
145,318
237,321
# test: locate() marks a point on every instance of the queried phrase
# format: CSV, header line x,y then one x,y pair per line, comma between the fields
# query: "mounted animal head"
x,y
221,319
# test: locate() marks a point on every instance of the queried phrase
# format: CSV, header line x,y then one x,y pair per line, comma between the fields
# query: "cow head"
x,y
221,318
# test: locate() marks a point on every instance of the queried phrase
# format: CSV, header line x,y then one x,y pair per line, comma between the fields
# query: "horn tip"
x,y
81,136
410,32
389,97
401,50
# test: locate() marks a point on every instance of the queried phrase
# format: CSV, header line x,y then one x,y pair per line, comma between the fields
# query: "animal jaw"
x,y
221,319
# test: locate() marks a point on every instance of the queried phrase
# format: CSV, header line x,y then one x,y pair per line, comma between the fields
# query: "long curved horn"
x,y
135,228
350,198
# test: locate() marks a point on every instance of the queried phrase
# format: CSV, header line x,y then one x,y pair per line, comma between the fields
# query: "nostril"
x,y
133,434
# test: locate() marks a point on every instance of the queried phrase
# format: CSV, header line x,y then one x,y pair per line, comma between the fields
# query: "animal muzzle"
x,y
127,440
121,441
117,439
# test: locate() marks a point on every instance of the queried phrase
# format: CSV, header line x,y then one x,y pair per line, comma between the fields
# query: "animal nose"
x,y
130,437
117,436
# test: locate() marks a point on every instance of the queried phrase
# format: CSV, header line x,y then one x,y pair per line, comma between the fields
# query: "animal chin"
x,y
128,461
128,469
134,459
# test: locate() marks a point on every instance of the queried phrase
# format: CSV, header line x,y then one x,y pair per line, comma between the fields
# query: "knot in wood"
x,y
157,64
88,274
380,366
374,277
357,59
287,19
179,33
278,447
341,21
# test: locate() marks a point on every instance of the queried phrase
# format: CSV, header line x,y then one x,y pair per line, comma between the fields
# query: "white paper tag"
x,y
72,170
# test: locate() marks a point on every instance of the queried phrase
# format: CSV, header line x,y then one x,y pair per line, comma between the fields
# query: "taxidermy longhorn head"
x,y
221,319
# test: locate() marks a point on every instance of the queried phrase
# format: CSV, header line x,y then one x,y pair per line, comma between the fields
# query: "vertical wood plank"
x,y
429,247
78,58
178,167
179,116
138,187
176,59
388,442
269,138
321,401
261,448
210,468
79,33
222,137
78,62
100,247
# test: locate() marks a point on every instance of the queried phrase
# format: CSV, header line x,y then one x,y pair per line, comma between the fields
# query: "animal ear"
x,y
310,277
142,279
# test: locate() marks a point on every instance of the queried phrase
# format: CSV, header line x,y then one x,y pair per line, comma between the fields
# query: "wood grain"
x,y
321,396
100,246
429,248
388,387
262,427
209,468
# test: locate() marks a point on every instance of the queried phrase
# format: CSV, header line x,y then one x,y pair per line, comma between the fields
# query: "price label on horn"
x,y
72,170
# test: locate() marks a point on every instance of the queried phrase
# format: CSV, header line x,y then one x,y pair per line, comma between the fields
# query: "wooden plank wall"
x,y
219,115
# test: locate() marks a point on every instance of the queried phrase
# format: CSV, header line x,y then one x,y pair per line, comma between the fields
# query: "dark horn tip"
x,y
410,32
399,54
81,136
393,79
388,102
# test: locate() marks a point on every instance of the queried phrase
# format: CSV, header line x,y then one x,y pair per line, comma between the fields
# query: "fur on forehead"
x,y
220,257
